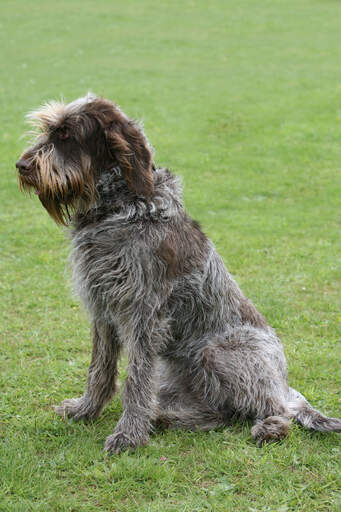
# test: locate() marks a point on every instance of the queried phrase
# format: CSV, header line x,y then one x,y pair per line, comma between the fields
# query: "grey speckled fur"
x,y
199,353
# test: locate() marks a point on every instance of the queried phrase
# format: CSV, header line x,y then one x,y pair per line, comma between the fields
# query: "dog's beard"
x,y
61,189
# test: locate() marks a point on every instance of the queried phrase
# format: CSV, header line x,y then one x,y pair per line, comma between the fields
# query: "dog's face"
x,y
74,144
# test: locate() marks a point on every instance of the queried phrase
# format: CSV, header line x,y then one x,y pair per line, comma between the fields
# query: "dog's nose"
x,y
22,165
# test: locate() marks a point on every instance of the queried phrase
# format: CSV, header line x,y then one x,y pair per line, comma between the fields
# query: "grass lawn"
x,y
243,100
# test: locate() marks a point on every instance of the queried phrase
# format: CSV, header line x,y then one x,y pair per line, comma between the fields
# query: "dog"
x,y
199,353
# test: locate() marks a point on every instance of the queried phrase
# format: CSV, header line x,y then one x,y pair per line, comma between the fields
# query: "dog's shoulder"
x,y
184,247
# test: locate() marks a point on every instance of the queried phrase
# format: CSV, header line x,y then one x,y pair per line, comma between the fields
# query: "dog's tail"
x,y
302,412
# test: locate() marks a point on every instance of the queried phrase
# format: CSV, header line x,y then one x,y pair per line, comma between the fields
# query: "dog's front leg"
x,y
102,373
134,426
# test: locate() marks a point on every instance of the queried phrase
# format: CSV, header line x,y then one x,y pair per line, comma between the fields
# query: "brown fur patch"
x,y
184,249
208,357
168,254
249,314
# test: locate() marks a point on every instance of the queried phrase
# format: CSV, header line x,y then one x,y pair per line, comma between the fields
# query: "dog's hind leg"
x,y
245,370
243,373
300,411
101,381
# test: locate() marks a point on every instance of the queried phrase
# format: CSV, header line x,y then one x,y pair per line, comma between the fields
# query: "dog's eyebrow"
x,y
47,116
52,113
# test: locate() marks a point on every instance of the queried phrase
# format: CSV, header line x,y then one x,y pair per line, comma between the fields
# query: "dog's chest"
x,y
100,264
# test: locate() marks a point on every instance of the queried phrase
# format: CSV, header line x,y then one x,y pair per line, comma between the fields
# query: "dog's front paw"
x,y
121,441
77,409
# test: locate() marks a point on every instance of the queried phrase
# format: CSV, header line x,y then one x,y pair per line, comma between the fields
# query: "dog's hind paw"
x,y
272,428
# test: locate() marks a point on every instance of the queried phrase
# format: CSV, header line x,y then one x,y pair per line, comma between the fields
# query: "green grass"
x,y
242,99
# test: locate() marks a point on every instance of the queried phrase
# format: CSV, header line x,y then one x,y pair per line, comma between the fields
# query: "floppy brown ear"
x,y
133,155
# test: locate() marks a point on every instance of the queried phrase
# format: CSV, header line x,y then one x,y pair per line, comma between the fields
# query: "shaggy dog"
x,y
199,352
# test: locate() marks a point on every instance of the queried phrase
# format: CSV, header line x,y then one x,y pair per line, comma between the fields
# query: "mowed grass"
x,y
243,100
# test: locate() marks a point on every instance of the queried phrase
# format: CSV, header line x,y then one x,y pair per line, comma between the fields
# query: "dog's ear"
x,y
130,149
126,144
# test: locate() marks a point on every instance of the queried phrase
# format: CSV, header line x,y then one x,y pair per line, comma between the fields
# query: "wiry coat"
x,y
199,353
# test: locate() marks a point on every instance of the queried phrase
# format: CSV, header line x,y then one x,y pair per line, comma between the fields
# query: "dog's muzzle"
x,y
23,166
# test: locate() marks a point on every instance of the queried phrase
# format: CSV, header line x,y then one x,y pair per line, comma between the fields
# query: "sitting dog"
x,y
199,352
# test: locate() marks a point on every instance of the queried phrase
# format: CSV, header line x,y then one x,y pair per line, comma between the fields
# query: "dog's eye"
x,y
63,133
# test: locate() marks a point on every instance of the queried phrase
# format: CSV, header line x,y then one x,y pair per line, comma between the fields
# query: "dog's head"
x,y
74,144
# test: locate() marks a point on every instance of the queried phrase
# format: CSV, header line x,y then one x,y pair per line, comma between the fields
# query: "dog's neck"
x,y
110,185
115,200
